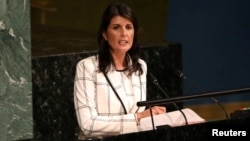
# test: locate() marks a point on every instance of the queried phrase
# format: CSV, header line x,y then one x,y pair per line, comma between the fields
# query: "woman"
x,y
104,108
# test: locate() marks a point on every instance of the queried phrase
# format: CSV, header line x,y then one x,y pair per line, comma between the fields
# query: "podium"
x,y
193,132
237,127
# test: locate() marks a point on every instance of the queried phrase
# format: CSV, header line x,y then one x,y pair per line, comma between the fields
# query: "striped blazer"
x,y
99,112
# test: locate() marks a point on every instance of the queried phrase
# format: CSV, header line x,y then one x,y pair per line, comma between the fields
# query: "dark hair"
x,y
105,58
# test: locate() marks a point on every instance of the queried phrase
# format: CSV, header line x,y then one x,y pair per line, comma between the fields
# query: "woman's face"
x,y
119,34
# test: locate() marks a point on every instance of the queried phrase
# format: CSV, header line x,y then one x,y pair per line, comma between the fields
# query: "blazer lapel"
x,y
112,76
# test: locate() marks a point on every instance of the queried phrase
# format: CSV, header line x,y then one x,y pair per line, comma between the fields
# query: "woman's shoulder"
x,y
90,60
142,62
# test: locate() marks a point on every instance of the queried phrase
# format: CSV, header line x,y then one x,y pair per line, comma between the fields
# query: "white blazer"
x,y
98,110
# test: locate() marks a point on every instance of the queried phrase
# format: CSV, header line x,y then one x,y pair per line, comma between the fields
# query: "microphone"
x,y
155,81
182,76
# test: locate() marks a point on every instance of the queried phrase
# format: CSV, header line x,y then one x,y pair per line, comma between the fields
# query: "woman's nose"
x,y
123,32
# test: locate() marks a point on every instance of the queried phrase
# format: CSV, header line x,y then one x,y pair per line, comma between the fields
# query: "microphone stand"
x,y
212,98
182,76
167,96
152,117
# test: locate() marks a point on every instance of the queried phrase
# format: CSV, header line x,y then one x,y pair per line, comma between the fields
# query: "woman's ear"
x,y
104,36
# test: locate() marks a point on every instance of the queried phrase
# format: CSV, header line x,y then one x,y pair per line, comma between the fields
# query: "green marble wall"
x,y
15,71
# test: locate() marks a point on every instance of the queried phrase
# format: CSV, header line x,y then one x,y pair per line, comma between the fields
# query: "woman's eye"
x,y
115,27
129,27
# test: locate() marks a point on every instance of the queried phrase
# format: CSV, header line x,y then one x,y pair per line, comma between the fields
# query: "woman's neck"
x,y
119,61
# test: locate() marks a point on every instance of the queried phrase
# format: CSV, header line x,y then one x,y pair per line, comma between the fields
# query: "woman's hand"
x,y
155,111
